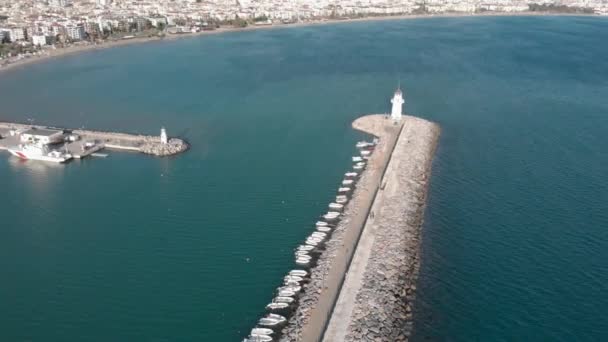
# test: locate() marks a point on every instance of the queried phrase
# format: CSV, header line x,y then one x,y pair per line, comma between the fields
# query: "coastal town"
x,y
31,29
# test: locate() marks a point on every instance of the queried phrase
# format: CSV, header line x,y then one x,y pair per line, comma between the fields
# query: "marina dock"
x,y
78,143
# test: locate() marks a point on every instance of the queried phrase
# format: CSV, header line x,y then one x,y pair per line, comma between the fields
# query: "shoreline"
x,y
50,54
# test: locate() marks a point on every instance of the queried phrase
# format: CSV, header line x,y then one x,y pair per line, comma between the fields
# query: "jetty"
x,y
361,260
80,143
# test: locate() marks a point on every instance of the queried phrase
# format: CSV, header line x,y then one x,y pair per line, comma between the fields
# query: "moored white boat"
x,y
324,229
306,248
286,293
364,144
290,278
277,306
303,261
344,189
357,159
347,182
269,322
299,273
262,331
258,338
336,206
341,199
39,152
351,174
280,299
365,152
321,223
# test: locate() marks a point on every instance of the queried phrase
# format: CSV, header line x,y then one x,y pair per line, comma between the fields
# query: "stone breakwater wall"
x,y
316,302
383,306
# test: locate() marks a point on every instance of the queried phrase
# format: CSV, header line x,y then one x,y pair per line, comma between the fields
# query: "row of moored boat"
x,y
285,301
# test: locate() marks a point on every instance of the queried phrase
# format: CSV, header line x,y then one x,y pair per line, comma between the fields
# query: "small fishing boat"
x,y
357,159
280,299
286,293
267,322
341,199
336,206
363,144
293,278
258,338
299,273
351,174
347,182
365,153
321,223
319,235
277,306
312,242
303,261
324,229
343,189
306,248
358,167
360,164
261,331
301,254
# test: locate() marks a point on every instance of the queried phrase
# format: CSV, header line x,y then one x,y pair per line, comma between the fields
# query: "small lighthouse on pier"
x,y
163,135
397,102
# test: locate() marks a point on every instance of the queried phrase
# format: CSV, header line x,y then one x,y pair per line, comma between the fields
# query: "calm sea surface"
x,y
135,248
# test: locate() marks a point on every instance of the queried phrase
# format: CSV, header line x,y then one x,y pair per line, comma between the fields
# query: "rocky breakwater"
x,y
316,302
382,308
140,143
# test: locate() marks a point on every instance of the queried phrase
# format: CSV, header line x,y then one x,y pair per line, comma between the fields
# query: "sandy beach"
x,y
74,49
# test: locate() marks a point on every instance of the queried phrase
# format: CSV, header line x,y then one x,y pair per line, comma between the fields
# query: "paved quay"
x,y
312,315
375,301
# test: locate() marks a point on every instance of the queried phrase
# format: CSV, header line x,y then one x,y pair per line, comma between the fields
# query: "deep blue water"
x,y
133,248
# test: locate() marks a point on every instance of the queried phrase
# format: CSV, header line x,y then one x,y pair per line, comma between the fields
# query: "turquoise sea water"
x,y
133,248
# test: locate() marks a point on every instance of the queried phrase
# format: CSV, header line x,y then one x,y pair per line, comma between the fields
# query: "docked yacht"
x,y
303,261
347,182
344,190
365,153
305,248
270,322
357,159
321,224
351,174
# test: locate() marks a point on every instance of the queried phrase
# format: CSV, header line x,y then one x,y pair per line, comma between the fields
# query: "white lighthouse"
x,y
397,102
163,135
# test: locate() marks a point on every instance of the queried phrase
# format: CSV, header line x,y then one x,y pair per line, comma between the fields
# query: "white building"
x,y
17,34
42,136
39,40
397,102
75,32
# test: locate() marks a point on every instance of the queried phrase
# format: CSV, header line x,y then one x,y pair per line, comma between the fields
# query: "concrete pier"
x,y
97,140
